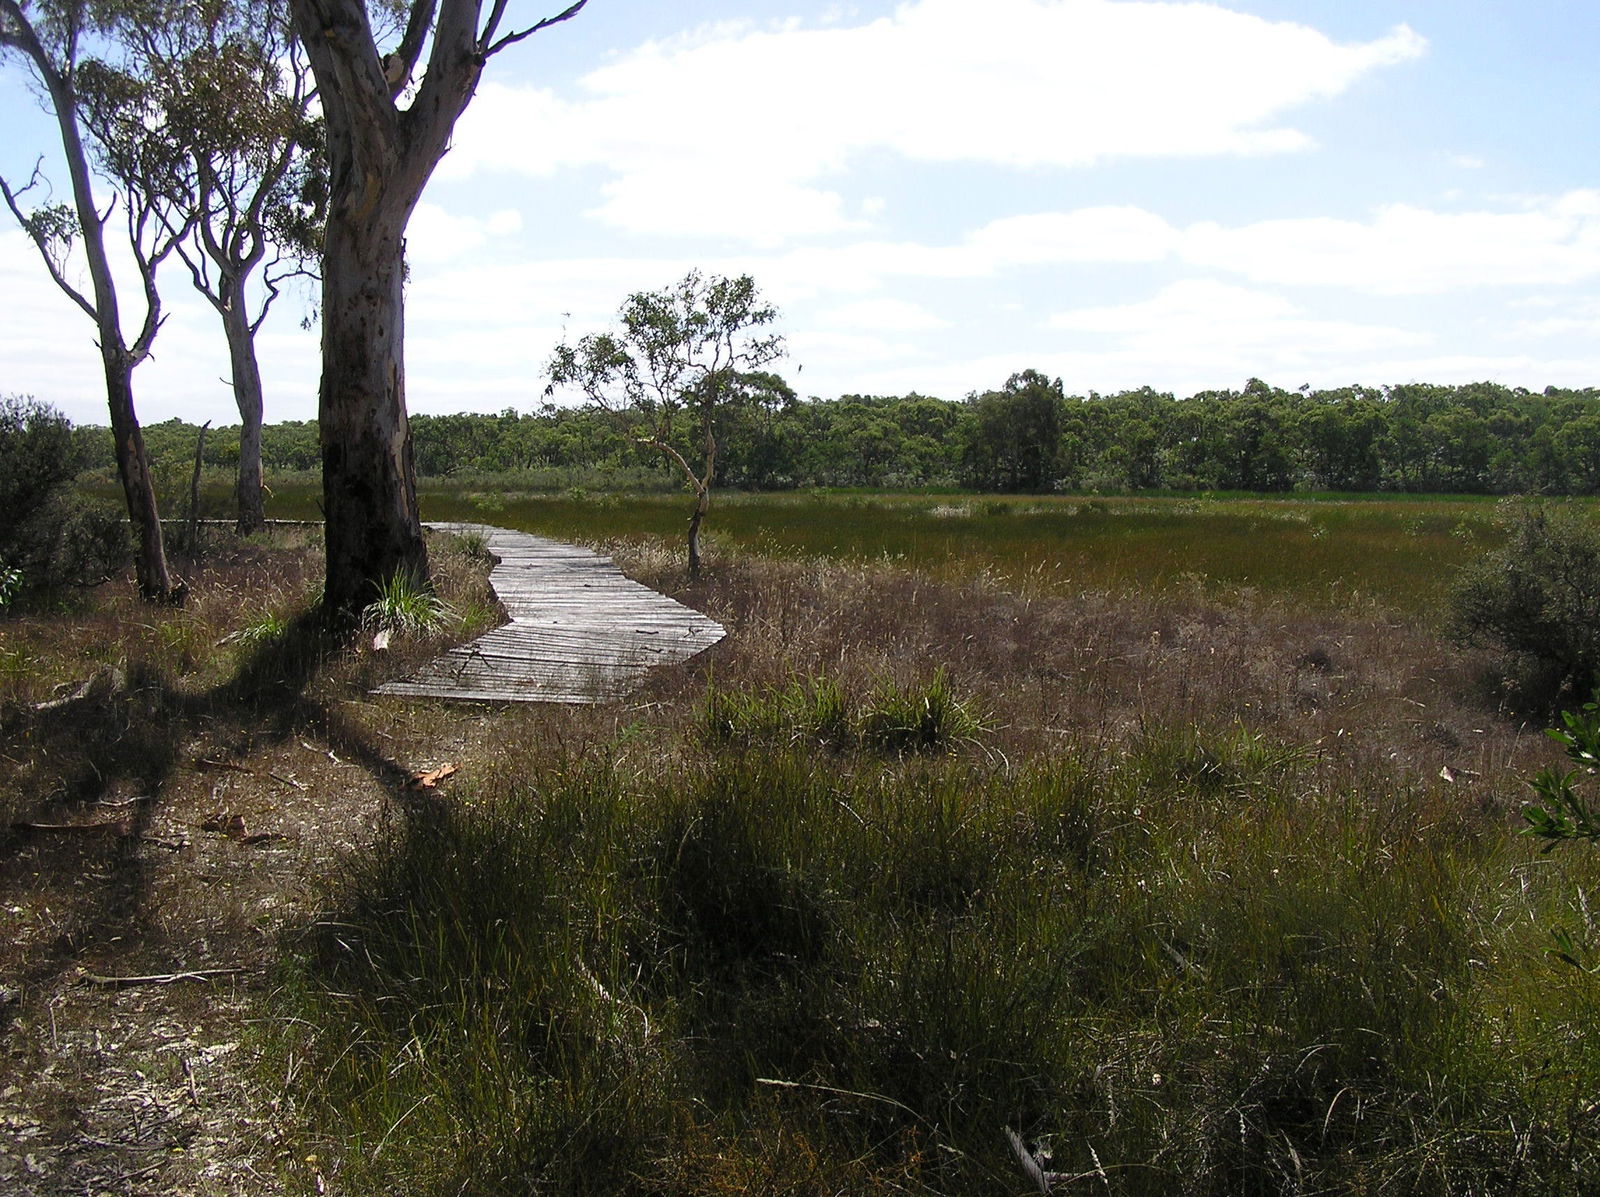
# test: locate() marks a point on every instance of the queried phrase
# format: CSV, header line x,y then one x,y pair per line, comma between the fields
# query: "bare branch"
x,y
41,242
399,66
494,47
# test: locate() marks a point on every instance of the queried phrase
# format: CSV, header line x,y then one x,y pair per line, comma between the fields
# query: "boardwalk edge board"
x,y
578,630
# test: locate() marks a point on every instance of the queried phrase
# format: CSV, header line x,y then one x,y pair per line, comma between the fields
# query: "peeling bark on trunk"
x,y
155,577
369,489
379,160
247,397
702,505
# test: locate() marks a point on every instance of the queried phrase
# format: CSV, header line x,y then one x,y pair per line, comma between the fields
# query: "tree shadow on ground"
x,y
87,775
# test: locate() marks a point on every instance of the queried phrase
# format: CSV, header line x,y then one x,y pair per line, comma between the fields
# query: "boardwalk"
x,y
580,632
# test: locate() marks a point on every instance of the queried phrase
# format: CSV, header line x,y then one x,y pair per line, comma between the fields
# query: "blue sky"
x,y
938,193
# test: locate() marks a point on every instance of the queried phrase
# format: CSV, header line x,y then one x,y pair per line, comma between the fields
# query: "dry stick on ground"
x,y
197,974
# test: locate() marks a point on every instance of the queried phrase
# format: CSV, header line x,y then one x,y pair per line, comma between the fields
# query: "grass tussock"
x,y
1195,896
1224,986
929,717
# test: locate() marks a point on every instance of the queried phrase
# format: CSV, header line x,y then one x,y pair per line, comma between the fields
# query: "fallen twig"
x,y
198,974
205,764
113,826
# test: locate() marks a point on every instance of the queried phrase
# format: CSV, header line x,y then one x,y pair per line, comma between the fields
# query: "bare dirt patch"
x,y
164,826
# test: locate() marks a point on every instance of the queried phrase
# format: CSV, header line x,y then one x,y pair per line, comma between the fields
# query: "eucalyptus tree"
x,y
387,128
56,40
208,112
681,352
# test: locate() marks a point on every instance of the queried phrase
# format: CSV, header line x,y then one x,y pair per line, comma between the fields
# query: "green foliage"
x,y
1538,596
681,349
407,606
50,537
1412,439
1015,441
925,718
1563,813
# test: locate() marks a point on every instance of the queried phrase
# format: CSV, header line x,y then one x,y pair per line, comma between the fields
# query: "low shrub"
x,y
1538,596
50,537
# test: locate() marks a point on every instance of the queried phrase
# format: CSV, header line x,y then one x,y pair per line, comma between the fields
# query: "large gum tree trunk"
x,y
369,489
251,515
379,160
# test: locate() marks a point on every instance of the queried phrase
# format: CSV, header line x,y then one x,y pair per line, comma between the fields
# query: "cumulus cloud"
x,y
1408,250
738,130
435,235
884,314
1206,323
1399,250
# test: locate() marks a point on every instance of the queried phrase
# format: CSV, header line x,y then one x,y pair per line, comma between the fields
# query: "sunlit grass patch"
x,y
922,717
587,978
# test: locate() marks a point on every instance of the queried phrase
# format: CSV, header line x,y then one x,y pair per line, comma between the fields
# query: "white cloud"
x,y
435,235
1400,250
739,131
1120,234
1410,250
1211,324
882,315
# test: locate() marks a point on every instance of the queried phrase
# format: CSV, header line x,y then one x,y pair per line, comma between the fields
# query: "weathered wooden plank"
x,y
578,630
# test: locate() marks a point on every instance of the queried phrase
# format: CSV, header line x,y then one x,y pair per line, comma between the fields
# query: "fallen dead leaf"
x,y
430,779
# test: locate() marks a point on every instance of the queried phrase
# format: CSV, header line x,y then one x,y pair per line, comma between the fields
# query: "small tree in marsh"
x,y
678,355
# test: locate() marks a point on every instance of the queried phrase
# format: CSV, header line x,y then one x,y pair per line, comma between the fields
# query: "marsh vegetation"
x,y
1174,836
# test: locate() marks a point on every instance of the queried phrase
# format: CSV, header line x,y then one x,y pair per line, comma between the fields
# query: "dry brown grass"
x,y
1100,668
1370,704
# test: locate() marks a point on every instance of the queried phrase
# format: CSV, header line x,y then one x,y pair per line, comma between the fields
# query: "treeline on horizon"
x,y
1026,436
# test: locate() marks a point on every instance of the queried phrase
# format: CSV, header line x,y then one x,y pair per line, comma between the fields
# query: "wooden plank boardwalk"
x,y
579,631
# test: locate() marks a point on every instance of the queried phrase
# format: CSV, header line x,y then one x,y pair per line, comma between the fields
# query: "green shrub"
x,y
50,536
1562,812
1538,596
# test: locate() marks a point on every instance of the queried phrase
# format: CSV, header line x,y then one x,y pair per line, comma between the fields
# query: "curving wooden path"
x,y
579,631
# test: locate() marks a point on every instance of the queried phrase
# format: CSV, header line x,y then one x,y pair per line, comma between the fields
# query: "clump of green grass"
x,y
407,606
927,717
586,978
473,545
263,628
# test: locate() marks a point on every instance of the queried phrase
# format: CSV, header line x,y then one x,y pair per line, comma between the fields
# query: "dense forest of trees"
x,y
1027,435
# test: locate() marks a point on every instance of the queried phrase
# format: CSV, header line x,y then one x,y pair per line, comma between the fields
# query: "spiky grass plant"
x,y
407,606
816,711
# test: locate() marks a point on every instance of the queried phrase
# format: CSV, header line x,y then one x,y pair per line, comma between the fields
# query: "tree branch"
x,y
41,243
510,39
402,63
